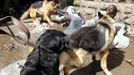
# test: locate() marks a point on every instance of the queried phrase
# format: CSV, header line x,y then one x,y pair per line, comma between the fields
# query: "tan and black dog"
x,y
90,41
43,8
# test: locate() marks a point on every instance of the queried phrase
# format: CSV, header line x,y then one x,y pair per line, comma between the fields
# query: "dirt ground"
x,y
117,63
10,51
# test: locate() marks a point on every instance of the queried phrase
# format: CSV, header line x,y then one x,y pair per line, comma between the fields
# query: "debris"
x,y
129,61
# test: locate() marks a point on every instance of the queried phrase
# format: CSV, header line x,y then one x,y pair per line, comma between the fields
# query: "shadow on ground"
x,y
115,59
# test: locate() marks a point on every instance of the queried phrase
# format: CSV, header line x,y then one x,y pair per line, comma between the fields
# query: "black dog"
x,y
44,59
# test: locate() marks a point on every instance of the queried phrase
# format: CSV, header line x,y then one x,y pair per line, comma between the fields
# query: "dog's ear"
x,y
100,14
65,44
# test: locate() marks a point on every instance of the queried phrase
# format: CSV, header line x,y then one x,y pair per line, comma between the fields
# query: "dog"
x,y
43,8
44,58
90,41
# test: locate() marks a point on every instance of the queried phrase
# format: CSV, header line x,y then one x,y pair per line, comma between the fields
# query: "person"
x,y
120,40
111,10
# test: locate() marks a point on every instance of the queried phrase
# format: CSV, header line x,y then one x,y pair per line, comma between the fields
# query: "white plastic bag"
x,y
120,41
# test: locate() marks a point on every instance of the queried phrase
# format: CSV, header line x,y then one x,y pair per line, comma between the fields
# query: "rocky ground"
x,y
120,61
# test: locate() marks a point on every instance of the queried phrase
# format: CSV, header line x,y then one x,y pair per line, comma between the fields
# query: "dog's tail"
x,y
111,30
24,15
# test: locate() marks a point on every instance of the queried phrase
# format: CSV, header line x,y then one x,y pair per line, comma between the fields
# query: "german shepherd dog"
x,y
44,59
43,8
90,40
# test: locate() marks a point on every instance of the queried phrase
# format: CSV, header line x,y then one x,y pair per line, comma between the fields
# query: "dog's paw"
x,y
52,24
109,73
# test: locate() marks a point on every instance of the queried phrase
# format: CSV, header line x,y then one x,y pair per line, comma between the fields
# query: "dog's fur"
x,y
91,40
44,59
43,8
